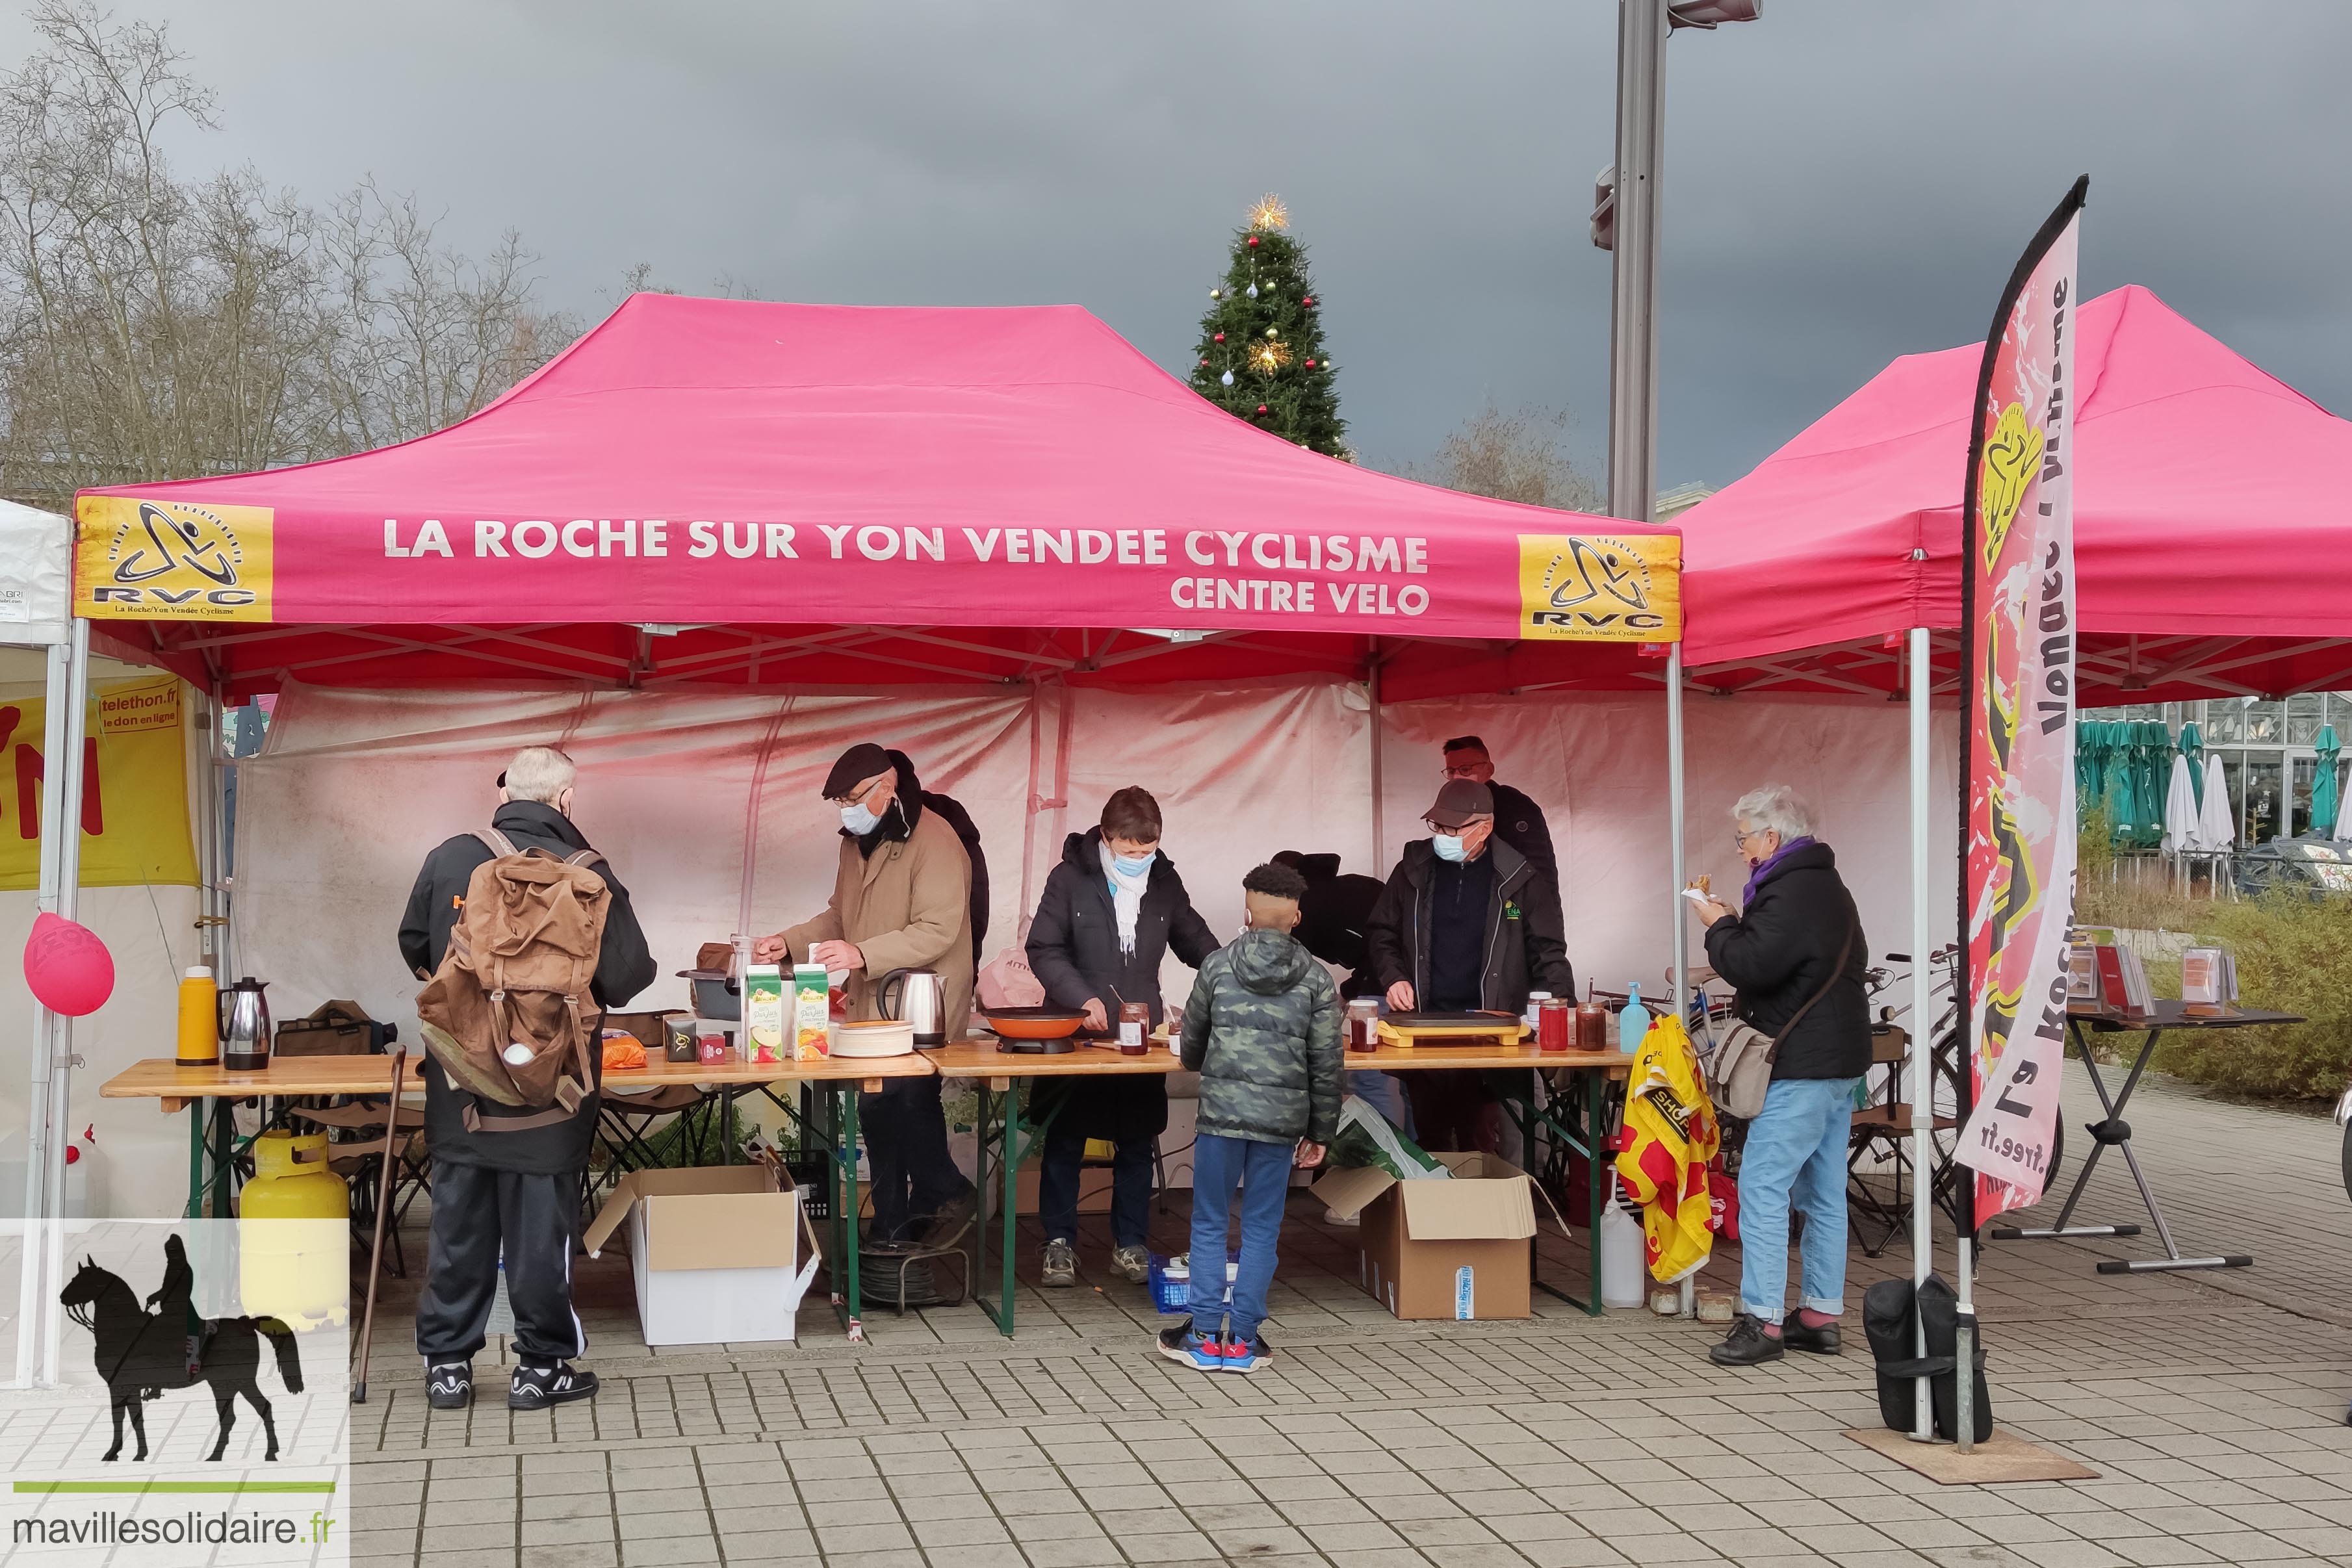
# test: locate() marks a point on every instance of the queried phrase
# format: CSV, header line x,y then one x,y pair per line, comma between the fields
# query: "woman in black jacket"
x,y
1795,956
1111,910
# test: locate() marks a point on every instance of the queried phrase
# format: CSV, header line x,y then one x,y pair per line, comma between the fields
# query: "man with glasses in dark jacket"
x,y
1465,923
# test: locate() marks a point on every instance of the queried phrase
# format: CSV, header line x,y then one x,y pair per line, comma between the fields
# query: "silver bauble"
x,y
1227,379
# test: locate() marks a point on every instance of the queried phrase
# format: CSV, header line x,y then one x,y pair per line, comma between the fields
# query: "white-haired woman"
x,y
1794,954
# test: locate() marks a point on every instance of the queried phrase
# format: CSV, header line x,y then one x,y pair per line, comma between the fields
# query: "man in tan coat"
x,y
902,900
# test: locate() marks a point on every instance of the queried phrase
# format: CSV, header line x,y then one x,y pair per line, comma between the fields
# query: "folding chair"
x,y
625,1125
1883,1132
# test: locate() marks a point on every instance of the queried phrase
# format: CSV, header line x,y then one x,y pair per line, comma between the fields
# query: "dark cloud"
x,y
1844,182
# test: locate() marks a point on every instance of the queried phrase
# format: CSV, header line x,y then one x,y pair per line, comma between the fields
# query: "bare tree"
x,y
153,327
1515,456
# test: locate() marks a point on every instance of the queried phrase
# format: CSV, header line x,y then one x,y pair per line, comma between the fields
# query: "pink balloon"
x,y
68,967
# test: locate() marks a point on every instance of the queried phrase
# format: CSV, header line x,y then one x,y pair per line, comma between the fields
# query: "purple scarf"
x,y
1764,868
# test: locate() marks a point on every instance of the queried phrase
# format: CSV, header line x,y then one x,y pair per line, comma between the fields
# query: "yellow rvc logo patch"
x,y
149,561
1601,588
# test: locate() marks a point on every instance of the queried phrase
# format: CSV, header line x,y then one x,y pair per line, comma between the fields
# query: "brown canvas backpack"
x,y
509,1015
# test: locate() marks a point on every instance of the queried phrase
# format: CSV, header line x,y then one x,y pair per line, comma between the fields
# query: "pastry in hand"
x,y
1700,883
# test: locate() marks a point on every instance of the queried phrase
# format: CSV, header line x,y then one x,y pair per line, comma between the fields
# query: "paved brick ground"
x,y
2210,1404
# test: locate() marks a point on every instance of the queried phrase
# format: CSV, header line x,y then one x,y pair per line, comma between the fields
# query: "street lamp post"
x,y
1625,224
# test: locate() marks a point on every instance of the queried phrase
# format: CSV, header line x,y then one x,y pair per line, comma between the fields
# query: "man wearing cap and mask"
x,y
1518,820
1467,923
902,900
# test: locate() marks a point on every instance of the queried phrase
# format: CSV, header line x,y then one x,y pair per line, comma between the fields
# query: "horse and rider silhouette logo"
x,y
143,1351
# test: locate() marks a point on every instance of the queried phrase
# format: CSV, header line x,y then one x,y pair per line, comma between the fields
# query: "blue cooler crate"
x,y
1173,1294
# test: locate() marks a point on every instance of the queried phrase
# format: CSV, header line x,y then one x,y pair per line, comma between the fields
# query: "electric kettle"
x,y
244,1027
915,997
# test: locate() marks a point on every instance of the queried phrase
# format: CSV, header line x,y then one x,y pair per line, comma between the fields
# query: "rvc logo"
x,y
1587,587
147,558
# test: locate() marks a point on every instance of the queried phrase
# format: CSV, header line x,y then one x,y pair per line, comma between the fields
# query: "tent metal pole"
x,y
1688,1292
66,765
38,1113
1923,1001
1674,832
1380,816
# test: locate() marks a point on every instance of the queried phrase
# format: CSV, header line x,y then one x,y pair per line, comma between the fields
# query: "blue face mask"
x,y
1448,846
1133,865
859,820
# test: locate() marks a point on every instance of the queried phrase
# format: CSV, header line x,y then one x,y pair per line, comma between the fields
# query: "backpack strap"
x,y
583,858
550,1117
495,841
1837,973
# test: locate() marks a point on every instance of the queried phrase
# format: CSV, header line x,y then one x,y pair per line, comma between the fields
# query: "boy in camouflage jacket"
x,y
1262,1029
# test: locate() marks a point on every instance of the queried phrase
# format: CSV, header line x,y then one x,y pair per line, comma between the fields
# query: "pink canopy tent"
x,y
2209,515
705,491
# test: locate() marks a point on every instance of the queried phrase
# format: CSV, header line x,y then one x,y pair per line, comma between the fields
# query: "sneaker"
x,y
1821,1341
536,1387
1060,1267
1248,1358
1745,1346
1132,1264
450,1385
1180,1344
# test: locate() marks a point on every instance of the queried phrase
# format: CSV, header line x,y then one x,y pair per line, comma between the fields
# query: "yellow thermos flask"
x,y
199,1019
294,1232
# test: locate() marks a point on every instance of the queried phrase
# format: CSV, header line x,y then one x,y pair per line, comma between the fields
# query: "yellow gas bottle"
x,y
294,1233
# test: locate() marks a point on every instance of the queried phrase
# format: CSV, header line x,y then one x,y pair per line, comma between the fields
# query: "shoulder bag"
x,y
1740,1071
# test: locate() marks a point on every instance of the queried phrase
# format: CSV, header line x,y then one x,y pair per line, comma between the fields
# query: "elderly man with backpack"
x,y
509,927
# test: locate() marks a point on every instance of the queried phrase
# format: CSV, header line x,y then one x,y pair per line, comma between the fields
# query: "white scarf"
x,y
1126,896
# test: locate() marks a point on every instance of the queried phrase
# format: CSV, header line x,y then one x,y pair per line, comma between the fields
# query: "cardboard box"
x,y
1443,1249
716,1252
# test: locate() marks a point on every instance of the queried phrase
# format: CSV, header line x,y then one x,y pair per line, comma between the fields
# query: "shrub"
x,y
2294,955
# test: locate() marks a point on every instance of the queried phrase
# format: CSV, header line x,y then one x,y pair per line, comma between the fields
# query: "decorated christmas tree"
x,y
1261,353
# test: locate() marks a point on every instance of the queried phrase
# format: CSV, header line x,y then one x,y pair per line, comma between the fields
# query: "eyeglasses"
x,y
871,785
1739,840
1466,770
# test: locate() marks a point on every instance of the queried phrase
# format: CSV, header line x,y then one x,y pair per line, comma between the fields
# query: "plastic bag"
x,y
1006,980
1368,1138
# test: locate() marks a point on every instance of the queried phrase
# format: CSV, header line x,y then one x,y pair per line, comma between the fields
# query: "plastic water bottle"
x,y
1624,1257
1633,1024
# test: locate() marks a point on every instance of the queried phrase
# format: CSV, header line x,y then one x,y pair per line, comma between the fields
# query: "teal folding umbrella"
x,y
2191,747
2324,801
2089,745
2151,766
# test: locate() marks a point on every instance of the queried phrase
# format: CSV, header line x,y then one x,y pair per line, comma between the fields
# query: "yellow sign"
x,y
134,802
173,561
1601,588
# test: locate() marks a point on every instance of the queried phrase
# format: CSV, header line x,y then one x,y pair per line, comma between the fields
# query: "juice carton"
x,y
810,1012
764,1013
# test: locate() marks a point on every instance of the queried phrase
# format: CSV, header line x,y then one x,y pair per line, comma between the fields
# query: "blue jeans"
x,y
1796,1153
1262,1171
1130,1186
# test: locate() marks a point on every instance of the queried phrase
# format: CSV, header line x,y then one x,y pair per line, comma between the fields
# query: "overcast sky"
x,y
1844,182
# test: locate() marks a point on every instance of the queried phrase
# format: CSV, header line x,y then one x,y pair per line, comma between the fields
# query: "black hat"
x,y
1458,801
857,764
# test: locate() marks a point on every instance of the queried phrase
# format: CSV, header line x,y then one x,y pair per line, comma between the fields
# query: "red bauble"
x,y
1261,408
1221,338
1253,240
1204,364
1310,364
1309,302
68,968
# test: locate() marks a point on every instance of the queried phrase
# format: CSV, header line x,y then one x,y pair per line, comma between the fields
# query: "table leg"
x,y
1592,1096
1581,1133
198,1111
999,1114
2114,1131
847,1156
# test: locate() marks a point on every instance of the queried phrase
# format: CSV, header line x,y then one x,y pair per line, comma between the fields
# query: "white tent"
x,y
35,598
